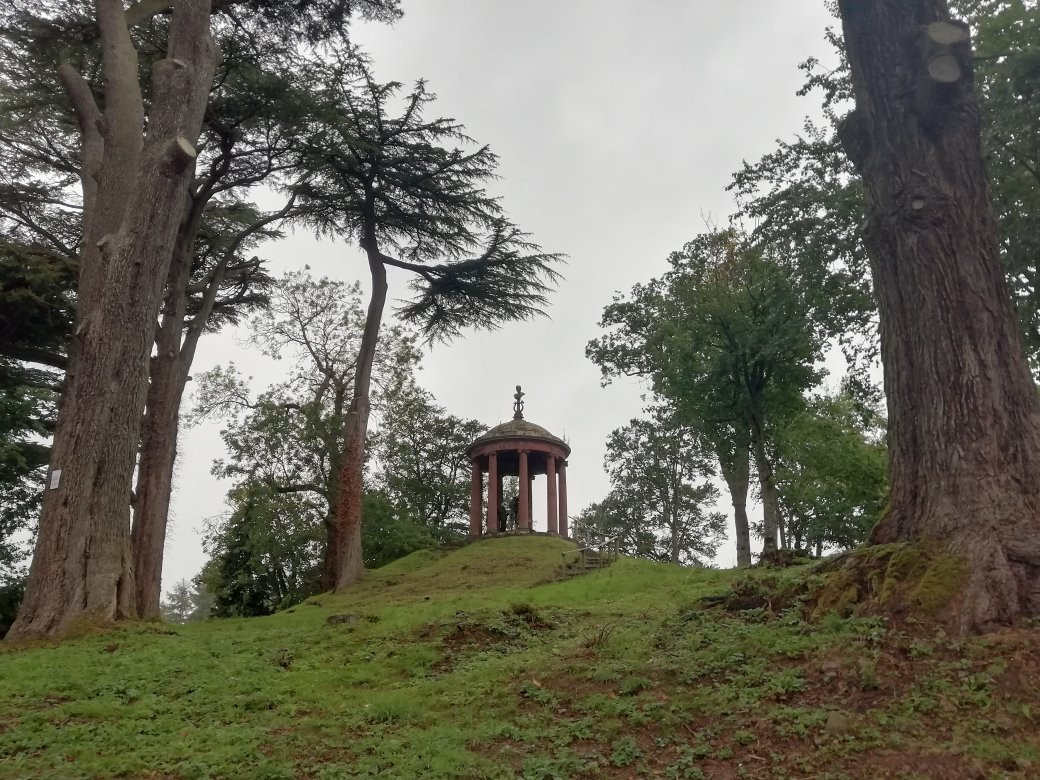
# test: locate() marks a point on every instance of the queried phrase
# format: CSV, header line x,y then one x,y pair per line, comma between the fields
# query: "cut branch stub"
x,y
945,68
946,33
181,153
185,146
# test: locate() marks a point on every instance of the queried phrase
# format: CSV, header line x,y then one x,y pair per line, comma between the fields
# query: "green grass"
x,y
482,663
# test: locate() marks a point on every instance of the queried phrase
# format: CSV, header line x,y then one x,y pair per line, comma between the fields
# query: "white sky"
x,y
618,124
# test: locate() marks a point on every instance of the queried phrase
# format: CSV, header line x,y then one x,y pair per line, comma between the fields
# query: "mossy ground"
x,y
481,664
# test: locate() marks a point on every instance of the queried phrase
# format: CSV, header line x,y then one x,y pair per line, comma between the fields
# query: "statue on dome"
x,y
518,404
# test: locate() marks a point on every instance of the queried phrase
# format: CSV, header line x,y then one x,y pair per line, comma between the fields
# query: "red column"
x,y
563,498
492,511
523,509
550,474
476,498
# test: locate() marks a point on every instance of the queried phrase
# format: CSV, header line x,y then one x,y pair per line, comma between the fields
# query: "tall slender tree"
x,y
401,187
289,439
964,413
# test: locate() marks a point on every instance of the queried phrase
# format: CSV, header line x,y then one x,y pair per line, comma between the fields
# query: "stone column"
x,y
563,498
523,509
476,499
550,492
492,509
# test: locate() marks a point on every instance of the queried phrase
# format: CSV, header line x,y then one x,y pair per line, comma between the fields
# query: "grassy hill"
x,y
483,663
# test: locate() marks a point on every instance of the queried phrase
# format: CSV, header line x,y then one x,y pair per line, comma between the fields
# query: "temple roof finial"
x,y
518,404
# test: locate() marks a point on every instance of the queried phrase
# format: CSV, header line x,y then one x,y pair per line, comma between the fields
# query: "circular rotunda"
x,y
517,448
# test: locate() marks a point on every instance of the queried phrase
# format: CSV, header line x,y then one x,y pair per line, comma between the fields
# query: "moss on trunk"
x,y
918,580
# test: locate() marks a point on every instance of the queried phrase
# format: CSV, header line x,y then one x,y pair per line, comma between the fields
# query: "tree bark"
x,y
330,563
736,470
81,567
964,414
770,495
167,378
349,562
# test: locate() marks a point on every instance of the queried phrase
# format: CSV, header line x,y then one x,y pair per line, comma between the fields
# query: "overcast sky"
x,y
618,125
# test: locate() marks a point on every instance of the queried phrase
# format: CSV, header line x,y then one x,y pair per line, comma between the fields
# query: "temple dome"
x,y
519,429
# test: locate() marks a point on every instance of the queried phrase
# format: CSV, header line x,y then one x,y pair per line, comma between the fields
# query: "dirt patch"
x,y
506,631
940,766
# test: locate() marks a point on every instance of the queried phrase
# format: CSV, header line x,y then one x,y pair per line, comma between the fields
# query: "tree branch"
x,y
143,10
124,107
92,144
216,276
34,355
300,487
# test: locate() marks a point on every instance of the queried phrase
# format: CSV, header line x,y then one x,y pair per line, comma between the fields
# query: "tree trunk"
x,y
964,414
81,566
167,377
349,563
329,564
674,525
332,488
770,495
736,470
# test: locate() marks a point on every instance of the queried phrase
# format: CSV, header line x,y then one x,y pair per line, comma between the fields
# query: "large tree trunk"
x,y
767,486
135,197
964,415
167,377
736,470
349,563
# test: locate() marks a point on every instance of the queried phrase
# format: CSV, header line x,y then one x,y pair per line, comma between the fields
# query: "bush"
x,y
11,591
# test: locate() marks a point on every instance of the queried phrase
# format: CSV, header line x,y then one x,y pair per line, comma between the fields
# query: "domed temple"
x,y
517,448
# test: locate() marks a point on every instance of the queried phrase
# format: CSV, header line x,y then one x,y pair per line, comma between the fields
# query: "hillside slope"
x,y
482,663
